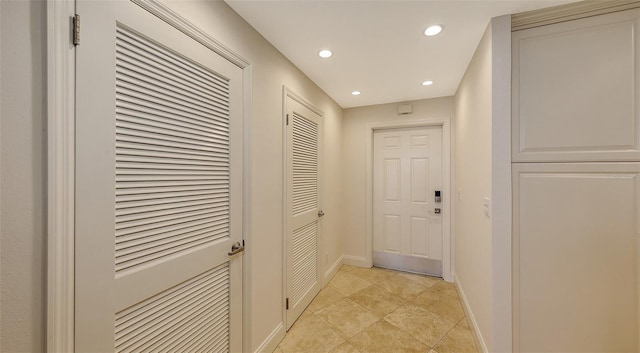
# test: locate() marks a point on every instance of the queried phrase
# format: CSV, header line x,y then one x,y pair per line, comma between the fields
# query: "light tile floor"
x,y
378,310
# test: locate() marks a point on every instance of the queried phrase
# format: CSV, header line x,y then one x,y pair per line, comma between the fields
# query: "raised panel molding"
x,y
568,12
575,257
575,91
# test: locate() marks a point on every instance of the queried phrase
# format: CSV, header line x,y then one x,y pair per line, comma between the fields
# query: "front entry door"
x,y
407,180
304,131
158,187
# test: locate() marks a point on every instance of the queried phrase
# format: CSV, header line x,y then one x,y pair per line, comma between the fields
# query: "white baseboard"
x,y
328,275
357,261
271,343
472,320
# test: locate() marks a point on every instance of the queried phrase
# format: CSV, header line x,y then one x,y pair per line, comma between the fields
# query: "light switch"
x,y
487,207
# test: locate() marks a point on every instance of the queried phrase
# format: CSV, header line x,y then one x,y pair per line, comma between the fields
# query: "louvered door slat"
x,y
155,94
162,203
173,313
304,260
173,121
136,220
139,312
159,112
177,232
304,164
132,123
133,74
151,199
132,54
167,232
146,98
180,129
165,58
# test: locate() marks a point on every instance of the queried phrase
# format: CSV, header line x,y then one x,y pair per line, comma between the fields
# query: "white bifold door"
x,y
407,199
158,187
303,212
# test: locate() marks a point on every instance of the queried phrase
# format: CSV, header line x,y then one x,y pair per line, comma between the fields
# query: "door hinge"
x,y
287,119
76,29
287,304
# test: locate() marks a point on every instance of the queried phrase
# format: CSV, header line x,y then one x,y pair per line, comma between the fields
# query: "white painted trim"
x,y
289,93
61,165
328,275
247,173
569,12
357,261
477,335
501,218
446,183
272,341
183,25
60,176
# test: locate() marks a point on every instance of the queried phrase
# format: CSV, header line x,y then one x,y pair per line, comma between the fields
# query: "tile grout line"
x,y
448,332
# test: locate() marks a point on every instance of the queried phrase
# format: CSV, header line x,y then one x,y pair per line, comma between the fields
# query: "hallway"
x,y
378,310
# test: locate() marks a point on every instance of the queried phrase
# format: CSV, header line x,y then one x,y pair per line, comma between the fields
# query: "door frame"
x,y
288,93
445,123
61,77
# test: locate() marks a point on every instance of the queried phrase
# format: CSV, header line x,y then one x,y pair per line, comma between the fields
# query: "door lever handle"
x,y
236,249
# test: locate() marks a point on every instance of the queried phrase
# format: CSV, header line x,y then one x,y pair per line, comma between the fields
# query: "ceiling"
x,y
378,46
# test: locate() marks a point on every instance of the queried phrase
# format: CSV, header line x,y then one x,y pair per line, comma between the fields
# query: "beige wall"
x,y
472,170
355,153
22,176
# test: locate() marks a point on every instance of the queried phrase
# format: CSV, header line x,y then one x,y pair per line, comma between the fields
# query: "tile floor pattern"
x,y
378,310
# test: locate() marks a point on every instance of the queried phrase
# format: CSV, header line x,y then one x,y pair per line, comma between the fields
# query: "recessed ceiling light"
x,y
427,83
356,93
325,53
432,30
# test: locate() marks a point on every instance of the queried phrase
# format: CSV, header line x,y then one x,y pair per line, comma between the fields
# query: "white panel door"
x,y
158,187
407,175
304,134
575,257
576,90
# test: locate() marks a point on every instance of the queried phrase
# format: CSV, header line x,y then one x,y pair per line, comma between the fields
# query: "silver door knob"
x,y
320,213
236,248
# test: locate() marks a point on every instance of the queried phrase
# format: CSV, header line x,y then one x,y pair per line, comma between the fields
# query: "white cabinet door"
x,y
158,187
407,223
575,257
576,90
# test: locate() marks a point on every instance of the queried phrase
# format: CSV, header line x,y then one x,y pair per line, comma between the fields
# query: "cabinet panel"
x,y
575,90
575,257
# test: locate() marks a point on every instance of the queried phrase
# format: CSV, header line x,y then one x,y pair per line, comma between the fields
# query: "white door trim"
x,y
61,165
446,183
288,93
60,176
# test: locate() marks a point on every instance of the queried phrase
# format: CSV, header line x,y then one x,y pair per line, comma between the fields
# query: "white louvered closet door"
x,y
303,227
158,187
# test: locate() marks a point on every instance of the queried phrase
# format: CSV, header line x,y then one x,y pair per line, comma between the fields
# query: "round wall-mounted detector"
x,y
356,93
433,30
427,83
325,53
